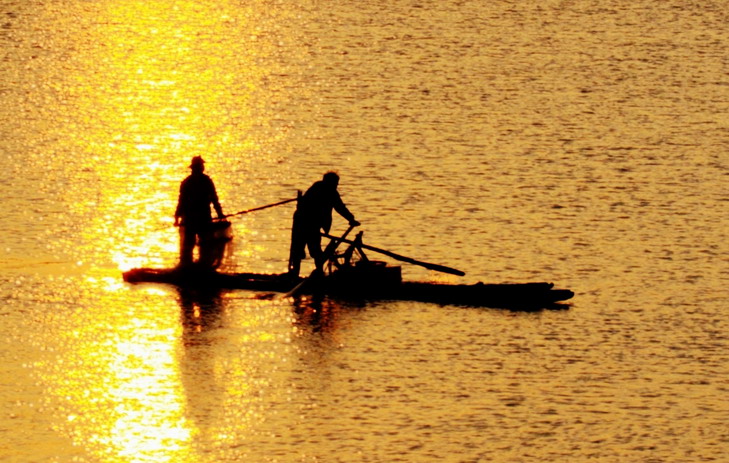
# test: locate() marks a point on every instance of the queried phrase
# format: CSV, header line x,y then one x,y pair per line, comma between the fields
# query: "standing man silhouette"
x,y
193,214
313,214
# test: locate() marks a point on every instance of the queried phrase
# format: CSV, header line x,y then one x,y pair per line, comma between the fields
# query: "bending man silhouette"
x,y
313,214
193,214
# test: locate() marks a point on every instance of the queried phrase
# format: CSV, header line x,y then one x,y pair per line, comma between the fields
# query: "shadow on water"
x,y
200,357
231,356
200,311
317,313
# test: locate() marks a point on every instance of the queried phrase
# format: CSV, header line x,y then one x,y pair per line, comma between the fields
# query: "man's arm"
x,y
178,210
342,209
215,201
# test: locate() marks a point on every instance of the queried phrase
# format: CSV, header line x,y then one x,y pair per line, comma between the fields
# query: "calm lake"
x,y
575,142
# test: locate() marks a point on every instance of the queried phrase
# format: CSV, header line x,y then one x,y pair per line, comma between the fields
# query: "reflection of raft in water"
x,y
363,279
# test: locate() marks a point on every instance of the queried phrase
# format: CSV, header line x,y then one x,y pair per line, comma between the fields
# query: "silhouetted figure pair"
x,y
193,215
314,214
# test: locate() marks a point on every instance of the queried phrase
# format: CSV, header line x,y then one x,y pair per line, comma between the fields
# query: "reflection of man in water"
x,y
197,192
314,213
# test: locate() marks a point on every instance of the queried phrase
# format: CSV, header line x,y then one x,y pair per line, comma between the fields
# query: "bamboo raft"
x,y
363,279
516,296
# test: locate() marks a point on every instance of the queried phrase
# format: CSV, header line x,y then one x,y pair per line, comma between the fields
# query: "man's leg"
x,y
298,245
313,243
187,243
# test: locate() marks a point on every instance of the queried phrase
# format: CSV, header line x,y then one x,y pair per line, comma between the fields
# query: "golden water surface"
x,y
562,141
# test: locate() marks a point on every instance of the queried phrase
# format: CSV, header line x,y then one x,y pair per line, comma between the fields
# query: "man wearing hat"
x,y
197,192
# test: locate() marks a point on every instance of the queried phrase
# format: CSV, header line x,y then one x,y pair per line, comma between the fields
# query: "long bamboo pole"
x,y
410,260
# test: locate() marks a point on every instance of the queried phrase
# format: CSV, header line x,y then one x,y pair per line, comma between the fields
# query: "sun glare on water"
x,y
159,83
152,88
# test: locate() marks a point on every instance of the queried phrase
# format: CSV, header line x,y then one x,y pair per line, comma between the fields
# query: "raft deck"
x,y
368,284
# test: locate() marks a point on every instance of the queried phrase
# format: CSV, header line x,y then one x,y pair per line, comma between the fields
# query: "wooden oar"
x,y
409,260
328,252
285,201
